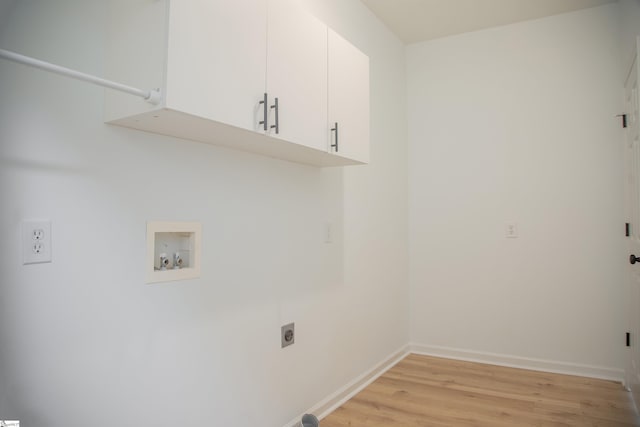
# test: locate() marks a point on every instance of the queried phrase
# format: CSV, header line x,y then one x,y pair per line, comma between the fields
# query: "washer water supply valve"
x,y
177,261
164,262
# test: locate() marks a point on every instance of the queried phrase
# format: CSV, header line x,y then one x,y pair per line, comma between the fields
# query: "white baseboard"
x,y
335,400
553,366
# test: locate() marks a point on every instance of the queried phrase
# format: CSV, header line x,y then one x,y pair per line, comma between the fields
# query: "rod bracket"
x,y
154,97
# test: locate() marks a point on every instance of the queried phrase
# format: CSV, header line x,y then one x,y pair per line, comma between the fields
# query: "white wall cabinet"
x,y
297,74
214,61
348,83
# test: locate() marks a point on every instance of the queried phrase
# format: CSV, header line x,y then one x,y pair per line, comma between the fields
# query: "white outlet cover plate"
x,y
511,230
36,233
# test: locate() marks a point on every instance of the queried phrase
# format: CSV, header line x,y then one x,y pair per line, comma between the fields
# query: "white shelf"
x,y
182,125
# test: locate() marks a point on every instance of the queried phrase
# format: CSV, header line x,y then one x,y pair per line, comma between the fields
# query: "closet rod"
x,y
152,96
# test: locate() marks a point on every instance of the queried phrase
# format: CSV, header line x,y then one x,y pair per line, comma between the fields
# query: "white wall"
x,y
84,341
517,124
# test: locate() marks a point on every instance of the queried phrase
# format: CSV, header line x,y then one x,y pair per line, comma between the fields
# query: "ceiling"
x,y
419,20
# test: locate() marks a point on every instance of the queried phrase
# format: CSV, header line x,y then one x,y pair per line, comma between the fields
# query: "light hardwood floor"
x,y
429,391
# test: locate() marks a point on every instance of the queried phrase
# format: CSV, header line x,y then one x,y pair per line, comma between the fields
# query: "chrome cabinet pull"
x,y
335,144
264,112
277,125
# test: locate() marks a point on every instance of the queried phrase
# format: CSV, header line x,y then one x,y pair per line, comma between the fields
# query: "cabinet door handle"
x,y
277,125
335,144
264,112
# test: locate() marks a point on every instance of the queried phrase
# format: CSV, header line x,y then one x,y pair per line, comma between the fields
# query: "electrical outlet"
x,y
287,335
36,242
511,230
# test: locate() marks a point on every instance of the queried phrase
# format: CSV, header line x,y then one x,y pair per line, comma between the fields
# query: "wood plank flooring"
x,y
427,391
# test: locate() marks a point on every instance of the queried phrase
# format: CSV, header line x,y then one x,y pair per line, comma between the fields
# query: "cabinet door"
x,y
216,63
297,74
348,99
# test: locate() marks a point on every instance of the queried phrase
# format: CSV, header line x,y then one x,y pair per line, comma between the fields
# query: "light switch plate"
x,y
328,232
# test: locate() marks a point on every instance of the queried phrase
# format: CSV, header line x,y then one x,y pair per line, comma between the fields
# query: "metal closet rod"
x,y
153,96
